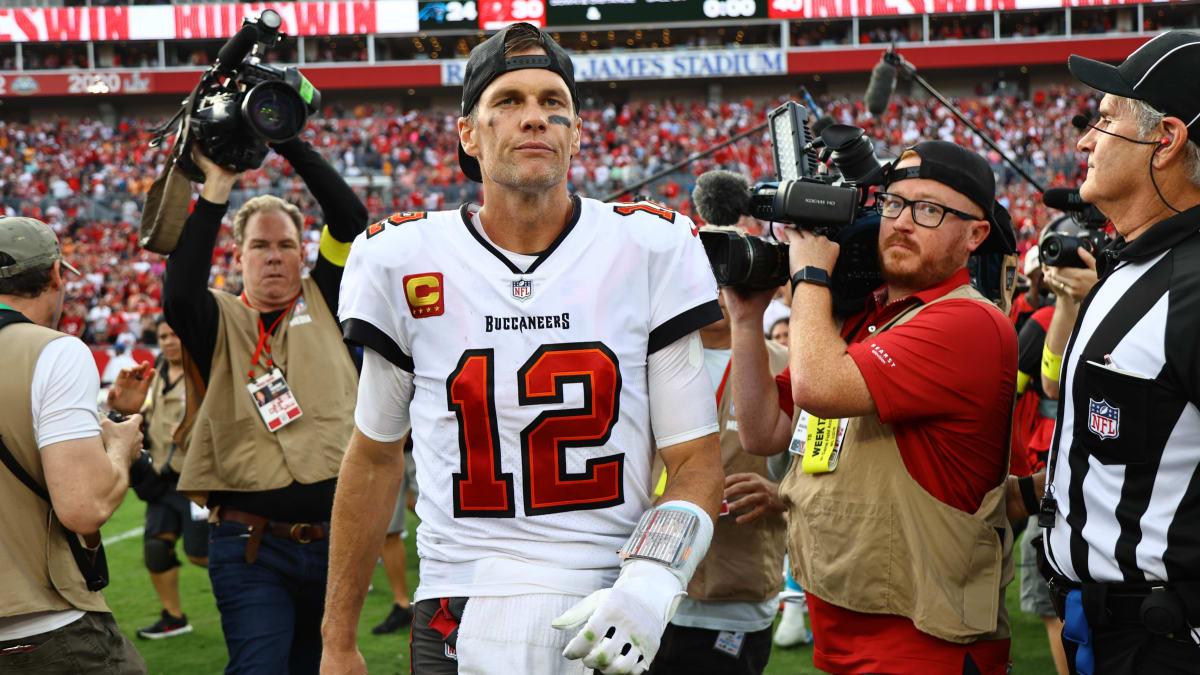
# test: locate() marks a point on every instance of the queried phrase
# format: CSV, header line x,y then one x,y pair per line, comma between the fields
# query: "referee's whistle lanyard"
x,y
264,335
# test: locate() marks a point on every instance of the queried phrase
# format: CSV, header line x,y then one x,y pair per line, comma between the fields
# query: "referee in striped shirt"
x,y
1122,510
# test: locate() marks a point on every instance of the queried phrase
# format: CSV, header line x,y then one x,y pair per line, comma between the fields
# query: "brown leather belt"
x,y
302,533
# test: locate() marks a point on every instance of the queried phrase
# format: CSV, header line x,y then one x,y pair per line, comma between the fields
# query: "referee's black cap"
x,y
1159,72
487,62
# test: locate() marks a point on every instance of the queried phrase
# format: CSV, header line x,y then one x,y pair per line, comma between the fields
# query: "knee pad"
x,y
160,555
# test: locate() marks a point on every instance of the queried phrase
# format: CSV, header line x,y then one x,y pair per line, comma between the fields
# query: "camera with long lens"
x,y
241,104
807,195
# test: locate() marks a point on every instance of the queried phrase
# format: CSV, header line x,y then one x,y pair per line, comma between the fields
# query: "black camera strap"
x,y
19,471
92,563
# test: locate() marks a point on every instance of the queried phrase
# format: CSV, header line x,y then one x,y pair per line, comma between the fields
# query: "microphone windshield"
x,y
1064,199
721,197
880,88
1080,122
235,50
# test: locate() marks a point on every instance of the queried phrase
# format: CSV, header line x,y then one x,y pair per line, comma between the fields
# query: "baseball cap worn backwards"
x,y
1159,72
966,172
30,243
487,62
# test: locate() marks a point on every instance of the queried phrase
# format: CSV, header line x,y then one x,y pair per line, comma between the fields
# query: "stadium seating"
x,y
89,180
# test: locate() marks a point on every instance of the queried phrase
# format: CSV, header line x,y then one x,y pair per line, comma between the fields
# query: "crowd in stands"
x,y
89,179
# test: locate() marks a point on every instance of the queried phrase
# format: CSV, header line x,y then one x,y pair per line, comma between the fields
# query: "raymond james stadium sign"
x,y
660,65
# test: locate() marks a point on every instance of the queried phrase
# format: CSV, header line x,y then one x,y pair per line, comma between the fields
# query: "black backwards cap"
x,y
968,173
487,62
1159,72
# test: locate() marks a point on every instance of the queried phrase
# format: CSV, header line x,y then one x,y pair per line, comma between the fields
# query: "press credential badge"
x,y
818,441
274,400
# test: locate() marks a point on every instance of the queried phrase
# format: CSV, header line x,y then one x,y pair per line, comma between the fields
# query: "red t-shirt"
x,y
935,379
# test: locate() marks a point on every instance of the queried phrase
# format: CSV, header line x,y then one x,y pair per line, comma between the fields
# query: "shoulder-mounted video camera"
x,y
241,103
823,184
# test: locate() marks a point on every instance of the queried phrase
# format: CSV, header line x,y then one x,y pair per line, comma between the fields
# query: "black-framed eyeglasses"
x,y
924,213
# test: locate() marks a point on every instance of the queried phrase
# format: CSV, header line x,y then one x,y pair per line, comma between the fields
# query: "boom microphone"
x,y
1080,122
1067,199
721,197
235,50
881,86
1064,199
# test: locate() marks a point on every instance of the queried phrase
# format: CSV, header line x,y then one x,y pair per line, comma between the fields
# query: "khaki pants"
x,y
92,644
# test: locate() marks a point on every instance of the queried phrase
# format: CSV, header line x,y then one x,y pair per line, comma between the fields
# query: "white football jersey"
x,y
530,411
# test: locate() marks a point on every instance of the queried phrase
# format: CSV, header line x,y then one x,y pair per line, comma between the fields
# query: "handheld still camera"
x,y
1083,228
809,194
241,103
1060,244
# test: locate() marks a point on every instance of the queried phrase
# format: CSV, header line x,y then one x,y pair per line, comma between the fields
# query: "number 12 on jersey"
x,y
481,489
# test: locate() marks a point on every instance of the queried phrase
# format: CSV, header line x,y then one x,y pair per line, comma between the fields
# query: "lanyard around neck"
x,y
265,335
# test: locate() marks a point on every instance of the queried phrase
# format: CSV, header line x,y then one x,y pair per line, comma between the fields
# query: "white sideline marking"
x,y
128,534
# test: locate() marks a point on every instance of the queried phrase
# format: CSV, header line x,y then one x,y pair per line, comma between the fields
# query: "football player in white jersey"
x,y
542,346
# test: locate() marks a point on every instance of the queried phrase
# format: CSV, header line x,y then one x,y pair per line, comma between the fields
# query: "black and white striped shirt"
x,y
1127,444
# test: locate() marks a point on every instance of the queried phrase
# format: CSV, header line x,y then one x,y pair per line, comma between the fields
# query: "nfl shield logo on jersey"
x,y
1103,419
522,289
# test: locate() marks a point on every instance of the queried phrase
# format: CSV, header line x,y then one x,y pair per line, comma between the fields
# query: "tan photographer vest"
x,y
37,571
228,447
165,413
744,561
869,538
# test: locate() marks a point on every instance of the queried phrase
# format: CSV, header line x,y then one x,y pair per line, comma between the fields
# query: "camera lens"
x,y
1051,250
274,111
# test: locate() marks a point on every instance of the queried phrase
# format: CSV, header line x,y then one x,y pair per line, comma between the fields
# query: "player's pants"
x,y
496,636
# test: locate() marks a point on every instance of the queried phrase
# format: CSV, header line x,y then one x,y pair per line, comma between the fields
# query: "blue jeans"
x,y
270,610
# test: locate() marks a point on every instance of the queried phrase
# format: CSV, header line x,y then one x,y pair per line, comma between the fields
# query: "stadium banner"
x,y
658,65
181,81
203,22
844,9
214,21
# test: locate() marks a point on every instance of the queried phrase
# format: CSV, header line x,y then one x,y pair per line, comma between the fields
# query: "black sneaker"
x,y
399,618
166,626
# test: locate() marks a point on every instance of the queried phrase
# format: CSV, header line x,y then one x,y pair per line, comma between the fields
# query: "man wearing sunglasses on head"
x,y
897,526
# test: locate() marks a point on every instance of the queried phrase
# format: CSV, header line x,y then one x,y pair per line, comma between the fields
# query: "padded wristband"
x,y
1051,363
675,535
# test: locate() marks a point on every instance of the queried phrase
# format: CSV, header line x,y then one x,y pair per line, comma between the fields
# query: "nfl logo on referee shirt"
x,y
1103,419
522,289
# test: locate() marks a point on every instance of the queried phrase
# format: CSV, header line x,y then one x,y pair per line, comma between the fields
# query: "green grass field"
x,y
135,605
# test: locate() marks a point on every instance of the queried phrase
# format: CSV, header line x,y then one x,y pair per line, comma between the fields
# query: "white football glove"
x,y
624,623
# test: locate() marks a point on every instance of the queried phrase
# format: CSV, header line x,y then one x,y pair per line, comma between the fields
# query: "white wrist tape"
x,y
675,535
